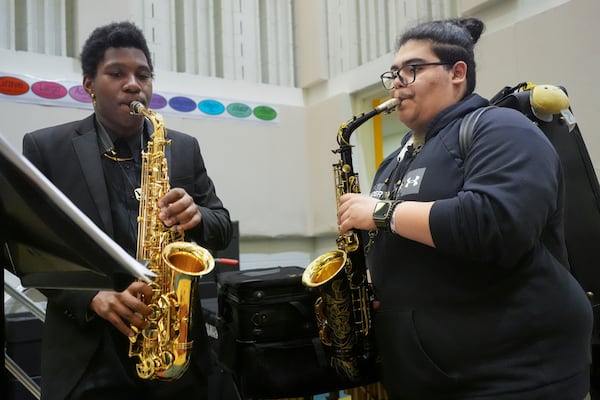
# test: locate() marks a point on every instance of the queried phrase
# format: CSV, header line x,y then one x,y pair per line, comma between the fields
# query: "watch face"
x,y
381,209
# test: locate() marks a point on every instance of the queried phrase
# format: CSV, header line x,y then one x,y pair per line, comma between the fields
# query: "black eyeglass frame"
x,y
390,76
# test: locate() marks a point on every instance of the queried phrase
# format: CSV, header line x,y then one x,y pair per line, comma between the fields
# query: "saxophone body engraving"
x,y
163,349
344,308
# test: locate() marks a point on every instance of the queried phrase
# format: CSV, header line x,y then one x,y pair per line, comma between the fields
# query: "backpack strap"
x,y
466,129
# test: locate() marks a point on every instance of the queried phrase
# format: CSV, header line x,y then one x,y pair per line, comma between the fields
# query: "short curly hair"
x,y
116,34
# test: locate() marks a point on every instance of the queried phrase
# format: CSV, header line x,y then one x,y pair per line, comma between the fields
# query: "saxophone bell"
x,y
324,268
188,258
318,274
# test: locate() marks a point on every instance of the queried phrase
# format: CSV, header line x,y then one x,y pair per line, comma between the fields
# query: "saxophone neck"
x,y
157,121
355,122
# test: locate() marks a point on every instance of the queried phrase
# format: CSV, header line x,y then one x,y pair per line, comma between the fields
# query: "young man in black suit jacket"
x,y
85,343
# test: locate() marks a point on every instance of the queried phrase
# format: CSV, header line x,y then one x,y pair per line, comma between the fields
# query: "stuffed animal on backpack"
x,y
547,100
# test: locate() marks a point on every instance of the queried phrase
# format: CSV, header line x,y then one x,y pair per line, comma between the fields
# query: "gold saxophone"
x,y
163,348
344,308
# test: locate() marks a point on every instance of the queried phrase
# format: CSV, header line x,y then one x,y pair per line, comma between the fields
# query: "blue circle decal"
x,y
181,103
239,110
211,107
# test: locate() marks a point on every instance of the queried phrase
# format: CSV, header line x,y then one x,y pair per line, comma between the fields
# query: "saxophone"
x,y
163,348
344,308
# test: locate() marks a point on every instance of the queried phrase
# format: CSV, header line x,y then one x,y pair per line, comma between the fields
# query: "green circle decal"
x,y
239,110
265,113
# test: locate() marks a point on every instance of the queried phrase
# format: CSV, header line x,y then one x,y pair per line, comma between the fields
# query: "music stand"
x,y
47,240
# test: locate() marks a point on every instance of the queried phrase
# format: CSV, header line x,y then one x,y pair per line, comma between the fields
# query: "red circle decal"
x,y
12,86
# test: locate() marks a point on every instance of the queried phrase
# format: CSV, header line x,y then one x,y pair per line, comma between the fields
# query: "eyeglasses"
x,y
406,75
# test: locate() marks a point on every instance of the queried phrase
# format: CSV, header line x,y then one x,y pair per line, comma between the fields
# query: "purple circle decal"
x,y
181,103
78,93
49,90
158,102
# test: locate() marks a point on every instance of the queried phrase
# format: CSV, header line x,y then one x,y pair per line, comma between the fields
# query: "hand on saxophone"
x,y
125,308
355,211
178,210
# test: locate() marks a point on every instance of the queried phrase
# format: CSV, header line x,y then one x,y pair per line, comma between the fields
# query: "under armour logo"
x,y
412,181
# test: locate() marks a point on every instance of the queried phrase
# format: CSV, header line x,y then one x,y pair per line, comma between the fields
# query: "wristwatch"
x,y
383,213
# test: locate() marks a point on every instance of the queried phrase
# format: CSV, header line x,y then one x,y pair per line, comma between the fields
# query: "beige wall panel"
x,y
555,47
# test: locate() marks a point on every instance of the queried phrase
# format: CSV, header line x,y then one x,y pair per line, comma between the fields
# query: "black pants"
x,y
109,376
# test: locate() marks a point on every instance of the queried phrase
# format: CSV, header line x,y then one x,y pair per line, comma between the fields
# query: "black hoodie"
x,y
490,312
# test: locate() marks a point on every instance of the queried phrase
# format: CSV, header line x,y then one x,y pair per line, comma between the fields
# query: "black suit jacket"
x,y
69,156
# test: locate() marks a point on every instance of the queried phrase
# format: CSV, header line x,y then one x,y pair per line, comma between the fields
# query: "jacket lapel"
x,y
86,148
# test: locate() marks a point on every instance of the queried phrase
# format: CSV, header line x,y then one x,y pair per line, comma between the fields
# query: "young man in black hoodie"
x,y
473,305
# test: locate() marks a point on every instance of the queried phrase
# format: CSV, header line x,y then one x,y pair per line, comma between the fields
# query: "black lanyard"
x,y
401,168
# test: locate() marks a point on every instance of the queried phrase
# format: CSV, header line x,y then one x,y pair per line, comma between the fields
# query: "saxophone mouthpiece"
x,y
136,107
388,106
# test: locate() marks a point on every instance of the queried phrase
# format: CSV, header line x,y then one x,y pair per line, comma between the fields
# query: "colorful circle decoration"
x,y
265,113
239,110
158,102
183,104
72,92
78,93
49,90
11,86
211,107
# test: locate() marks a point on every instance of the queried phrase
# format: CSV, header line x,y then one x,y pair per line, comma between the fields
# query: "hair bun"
x,y
474,26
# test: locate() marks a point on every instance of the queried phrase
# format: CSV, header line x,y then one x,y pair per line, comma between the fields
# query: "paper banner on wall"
x,y
28,89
